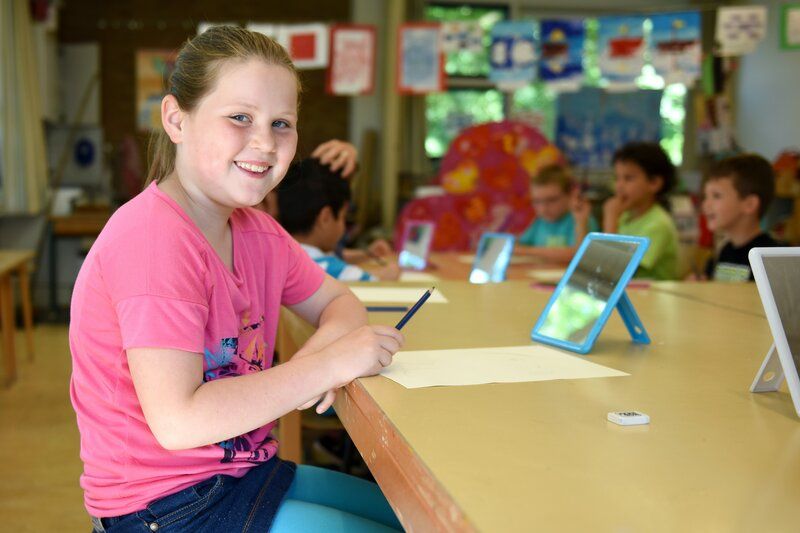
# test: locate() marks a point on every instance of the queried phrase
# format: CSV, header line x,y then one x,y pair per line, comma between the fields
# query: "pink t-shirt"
x,y
153,280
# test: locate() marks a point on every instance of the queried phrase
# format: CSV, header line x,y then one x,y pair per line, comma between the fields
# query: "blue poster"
x,y
620,50
676,50
512,54
592,124
421,65
561,64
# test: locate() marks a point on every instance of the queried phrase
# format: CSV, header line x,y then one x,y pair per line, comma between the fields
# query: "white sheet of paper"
x,y
475,366
406,276
402,295
547,275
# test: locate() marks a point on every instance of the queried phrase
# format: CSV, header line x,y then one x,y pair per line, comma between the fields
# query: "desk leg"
x,y
27,307
290,433
52,274
290,429
7,322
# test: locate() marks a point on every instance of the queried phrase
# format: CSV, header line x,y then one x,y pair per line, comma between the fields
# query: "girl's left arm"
x,y
334,310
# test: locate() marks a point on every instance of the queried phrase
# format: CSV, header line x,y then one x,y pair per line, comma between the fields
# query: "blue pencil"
x,y
414,309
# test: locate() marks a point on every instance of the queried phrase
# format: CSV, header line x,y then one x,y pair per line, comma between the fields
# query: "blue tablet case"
x,y
617,298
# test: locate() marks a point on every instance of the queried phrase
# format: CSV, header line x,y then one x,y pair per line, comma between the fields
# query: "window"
x,y
448,113
470,99
474,101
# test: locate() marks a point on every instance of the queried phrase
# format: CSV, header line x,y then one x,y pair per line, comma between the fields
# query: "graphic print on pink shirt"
x,y
228,362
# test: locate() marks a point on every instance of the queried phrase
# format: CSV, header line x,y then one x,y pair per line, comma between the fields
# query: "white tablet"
x,y
777,275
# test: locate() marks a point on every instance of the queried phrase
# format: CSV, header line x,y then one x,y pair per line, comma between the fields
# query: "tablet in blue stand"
x,y
593,285
492,258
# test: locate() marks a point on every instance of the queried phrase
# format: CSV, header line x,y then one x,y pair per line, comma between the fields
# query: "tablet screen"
x,y
415,245
784,279
491,258
585,294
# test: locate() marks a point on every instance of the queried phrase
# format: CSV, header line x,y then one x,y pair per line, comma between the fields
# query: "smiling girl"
x,y
175,312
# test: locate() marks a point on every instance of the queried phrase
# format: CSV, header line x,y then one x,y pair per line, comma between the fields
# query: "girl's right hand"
x,y
364,351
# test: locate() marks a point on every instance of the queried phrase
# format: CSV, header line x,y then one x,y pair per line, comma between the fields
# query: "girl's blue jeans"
x,y
271,497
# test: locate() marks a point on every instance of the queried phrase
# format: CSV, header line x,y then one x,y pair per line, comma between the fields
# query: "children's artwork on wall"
x,y
153,68
740,29
352,63
592,124
513,54
676,49
486,178
561,64
462,36
790,26
307,44
421,65
621,51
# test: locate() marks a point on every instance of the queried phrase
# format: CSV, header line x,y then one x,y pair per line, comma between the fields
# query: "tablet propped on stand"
x,y
492,258
591,288
777,275
417,240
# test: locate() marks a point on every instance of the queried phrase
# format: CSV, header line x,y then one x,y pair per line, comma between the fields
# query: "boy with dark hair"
x,y
644,177
312,206
737,193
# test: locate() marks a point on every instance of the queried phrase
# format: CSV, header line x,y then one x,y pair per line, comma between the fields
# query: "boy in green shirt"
x,y
644,177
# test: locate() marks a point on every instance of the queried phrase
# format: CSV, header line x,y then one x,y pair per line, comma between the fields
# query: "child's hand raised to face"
x,y
612,210
580,207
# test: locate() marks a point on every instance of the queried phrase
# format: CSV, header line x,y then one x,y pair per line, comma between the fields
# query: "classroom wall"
x,y
767,104
366,111
122,27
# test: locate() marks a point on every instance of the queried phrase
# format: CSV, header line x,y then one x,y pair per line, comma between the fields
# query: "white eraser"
x,y
628,418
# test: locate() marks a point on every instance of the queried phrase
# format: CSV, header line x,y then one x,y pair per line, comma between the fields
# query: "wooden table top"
x,y
10,259
736,296
84,224
457,266
511,457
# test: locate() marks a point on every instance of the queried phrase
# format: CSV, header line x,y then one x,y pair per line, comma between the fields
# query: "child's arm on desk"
x,y
378,249
185,412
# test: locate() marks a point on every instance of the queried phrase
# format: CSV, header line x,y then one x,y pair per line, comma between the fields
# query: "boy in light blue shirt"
x,y
562,217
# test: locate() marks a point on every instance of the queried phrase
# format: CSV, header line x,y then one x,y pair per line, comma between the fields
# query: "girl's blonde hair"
x,y
196,69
